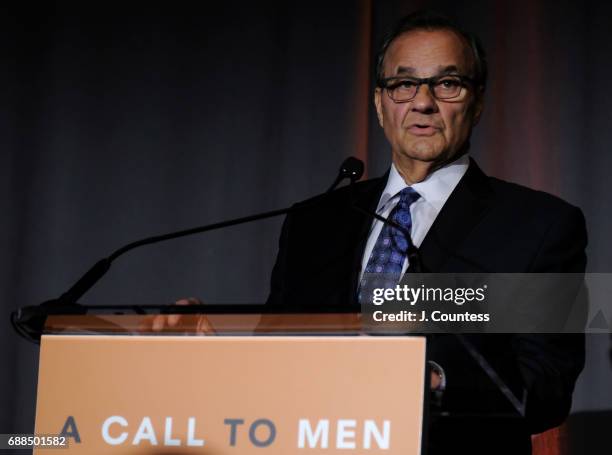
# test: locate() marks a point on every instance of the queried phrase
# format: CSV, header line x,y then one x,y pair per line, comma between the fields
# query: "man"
x,y
431,79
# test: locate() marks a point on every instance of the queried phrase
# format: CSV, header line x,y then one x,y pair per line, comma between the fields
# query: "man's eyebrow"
x,y
442,71
402,70
445,70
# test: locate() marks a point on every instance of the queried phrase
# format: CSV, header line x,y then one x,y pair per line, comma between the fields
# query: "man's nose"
x,y
424,100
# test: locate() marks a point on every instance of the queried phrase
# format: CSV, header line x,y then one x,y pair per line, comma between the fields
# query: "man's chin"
x,y
424,154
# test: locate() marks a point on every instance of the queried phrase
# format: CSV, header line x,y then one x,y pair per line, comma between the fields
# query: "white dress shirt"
x,y
434,192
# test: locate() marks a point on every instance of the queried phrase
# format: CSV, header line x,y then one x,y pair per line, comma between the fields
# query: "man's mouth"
x,y
422,129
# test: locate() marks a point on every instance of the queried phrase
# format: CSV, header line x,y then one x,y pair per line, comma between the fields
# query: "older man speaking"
x,y
431,78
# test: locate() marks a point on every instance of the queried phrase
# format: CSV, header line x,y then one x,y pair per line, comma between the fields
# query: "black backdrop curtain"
x,y
122,120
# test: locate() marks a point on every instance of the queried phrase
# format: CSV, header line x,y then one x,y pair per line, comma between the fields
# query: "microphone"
x,y
351,168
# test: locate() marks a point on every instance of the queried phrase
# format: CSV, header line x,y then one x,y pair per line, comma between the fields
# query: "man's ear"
x,y
378,104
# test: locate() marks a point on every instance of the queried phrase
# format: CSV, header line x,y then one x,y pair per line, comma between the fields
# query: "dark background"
x,y
123,120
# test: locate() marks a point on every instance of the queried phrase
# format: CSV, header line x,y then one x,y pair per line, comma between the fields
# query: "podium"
x,y
231,381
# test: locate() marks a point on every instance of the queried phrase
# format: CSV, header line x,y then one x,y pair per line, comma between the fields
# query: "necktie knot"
x,y
407,197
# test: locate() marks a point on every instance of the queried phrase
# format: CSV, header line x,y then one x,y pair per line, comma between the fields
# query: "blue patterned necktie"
x,y
384,267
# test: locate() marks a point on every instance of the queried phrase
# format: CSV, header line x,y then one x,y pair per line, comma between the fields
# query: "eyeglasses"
x,y
403,89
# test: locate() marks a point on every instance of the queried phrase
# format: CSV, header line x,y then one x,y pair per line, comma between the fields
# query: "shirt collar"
x,y
435,189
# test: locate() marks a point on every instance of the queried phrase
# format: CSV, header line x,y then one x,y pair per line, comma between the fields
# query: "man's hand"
x,y
197,323
171,320
436,380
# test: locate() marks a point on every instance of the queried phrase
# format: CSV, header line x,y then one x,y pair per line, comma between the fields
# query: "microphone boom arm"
x,y
351,168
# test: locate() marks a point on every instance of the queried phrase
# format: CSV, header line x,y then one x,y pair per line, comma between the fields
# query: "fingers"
x,y
435,380
204,326
174,319
158,323
161,322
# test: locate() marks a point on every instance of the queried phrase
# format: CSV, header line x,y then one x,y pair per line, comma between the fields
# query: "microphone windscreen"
x,y
352,168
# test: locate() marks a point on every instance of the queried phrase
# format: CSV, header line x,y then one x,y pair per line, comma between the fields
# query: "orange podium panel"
x,y
231,394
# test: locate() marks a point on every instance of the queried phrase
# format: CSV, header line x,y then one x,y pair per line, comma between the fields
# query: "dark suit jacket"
x,y
486,225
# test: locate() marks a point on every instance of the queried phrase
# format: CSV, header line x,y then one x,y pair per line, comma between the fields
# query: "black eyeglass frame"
x,y
387,84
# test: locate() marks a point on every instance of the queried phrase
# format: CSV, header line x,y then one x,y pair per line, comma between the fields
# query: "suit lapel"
x,y
366,198
465,207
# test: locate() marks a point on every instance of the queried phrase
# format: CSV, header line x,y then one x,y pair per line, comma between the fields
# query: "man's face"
x,y
426,129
